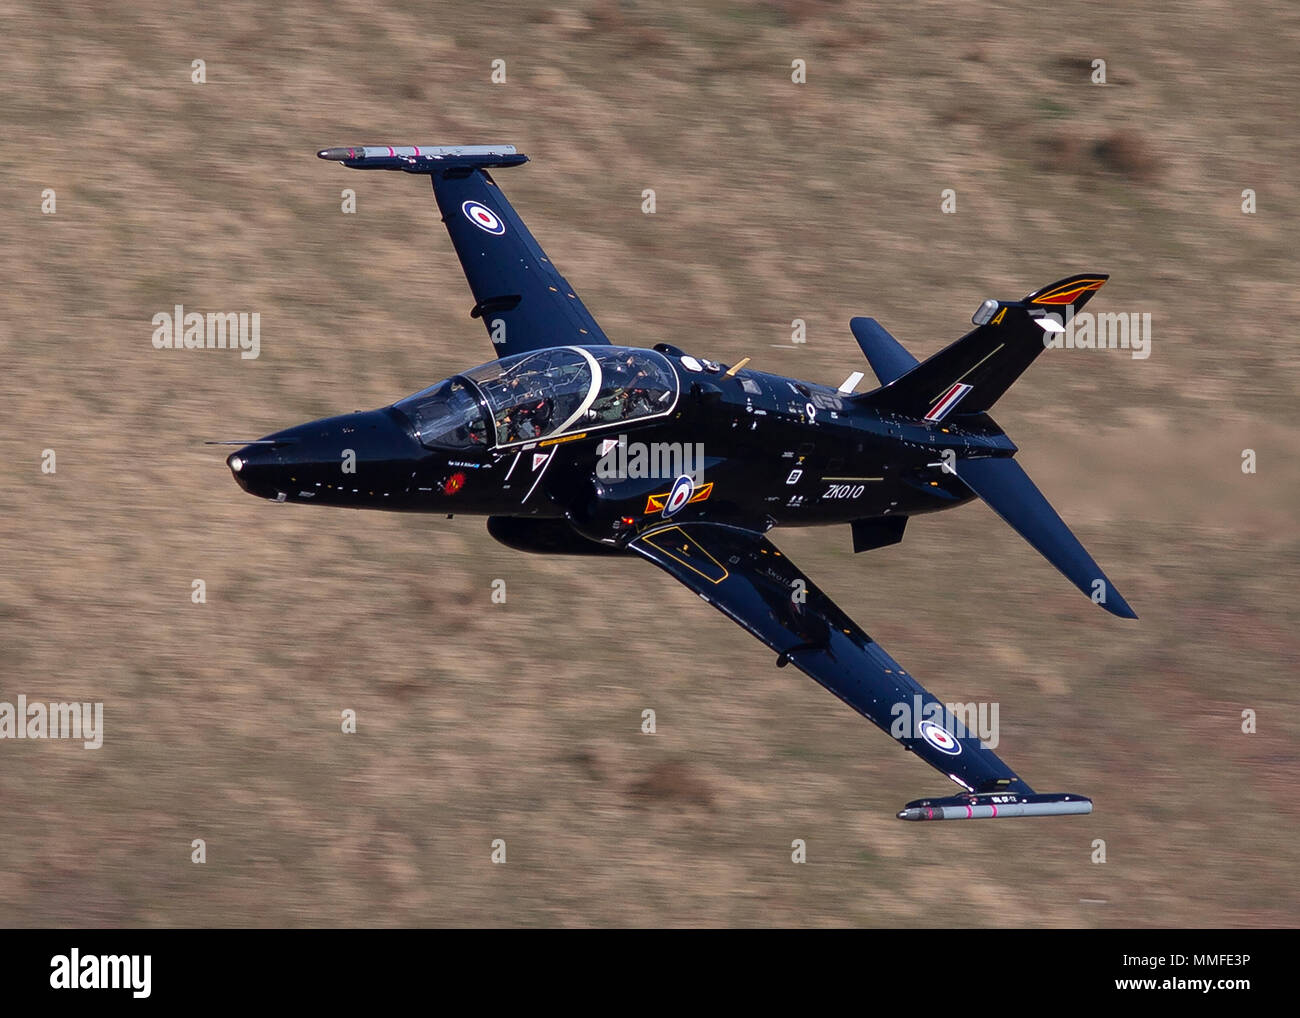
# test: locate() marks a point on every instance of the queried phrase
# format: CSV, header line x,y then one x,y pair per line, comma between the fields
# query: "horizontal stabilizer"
x,y
996,805
886,355
1009,492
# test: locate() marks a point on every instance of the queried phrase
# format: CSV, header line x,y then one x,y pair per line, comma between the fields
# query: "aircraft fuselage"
x,y
762,450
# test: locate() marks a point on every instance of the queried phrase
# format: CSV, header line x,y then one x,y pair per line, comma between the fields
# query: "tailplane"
x,y
1009,492
888,357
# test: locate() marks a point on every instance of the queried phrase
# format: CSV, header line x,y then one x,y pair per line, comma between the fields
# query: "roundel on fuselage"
x,y
683,489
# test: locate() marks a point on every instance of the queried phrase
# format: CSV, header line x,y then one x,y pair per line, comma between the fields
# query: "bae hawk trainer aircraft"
x,y
526,440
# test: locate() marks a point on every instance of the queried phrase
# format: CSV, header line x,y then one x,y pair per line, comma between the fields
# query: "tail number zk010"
x,y
845,491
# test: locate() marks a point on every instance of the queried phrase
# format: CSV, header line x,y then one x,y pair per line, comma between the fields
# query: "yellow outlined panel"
x,y
686,551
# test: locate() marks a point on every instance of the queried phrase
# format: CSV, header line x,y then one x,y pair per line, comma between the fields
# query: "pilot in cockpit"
x,y
528,419
627,371
629,380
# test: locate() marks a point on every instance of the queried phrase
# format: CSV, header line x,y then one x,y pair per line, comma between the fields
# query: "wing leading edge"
x,y
747,578
522,299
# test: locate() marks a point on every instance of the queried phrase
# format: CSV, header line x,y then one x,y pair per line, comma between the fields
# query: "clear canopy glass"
x,y
541,394
447,415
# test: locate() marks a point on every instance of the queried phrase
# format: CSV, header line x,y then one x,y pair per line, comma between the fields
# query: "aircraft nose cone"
x,y
254,468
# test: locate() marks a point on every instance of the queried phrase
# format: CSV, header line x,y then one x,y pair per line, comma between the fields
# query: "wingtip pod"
x,y
421,158
997,805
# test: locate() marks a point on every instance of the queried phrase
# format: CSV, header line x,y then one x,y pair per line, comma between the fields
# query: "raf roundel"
x,y
940,738
683,489
483,217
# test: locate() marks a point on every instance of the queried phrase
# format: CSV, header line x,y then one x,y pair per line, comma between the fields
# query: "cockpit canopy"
x,y
543,393
447,415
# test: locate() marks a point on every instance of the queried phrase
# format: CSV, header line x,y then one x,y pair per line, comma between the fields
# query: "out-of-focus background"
x,y
522,721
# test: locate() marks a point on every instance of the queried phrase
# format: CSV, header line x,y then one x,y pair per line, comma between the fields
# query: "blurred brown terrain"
x,y
521,721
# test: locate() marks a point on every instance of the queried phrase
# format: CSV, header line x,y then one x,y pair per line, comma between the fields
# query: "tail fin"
x,y
972,374
967,378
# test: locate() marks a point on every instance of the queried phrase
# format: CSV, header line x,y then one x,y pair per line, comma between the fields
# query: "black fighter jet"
x,y
569,444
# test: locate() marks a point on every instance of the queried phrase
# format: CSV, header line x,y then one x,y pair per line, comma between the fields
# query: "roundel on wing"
x,y
483,217
940,738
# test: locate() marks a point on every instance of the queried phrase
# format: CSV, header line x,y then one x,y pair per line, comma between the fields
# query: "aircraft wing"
x,y
747,578
521,298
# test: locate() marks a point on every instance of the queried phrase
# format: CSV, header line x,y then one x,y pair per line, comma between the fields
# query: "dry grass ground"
x,y
521,721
